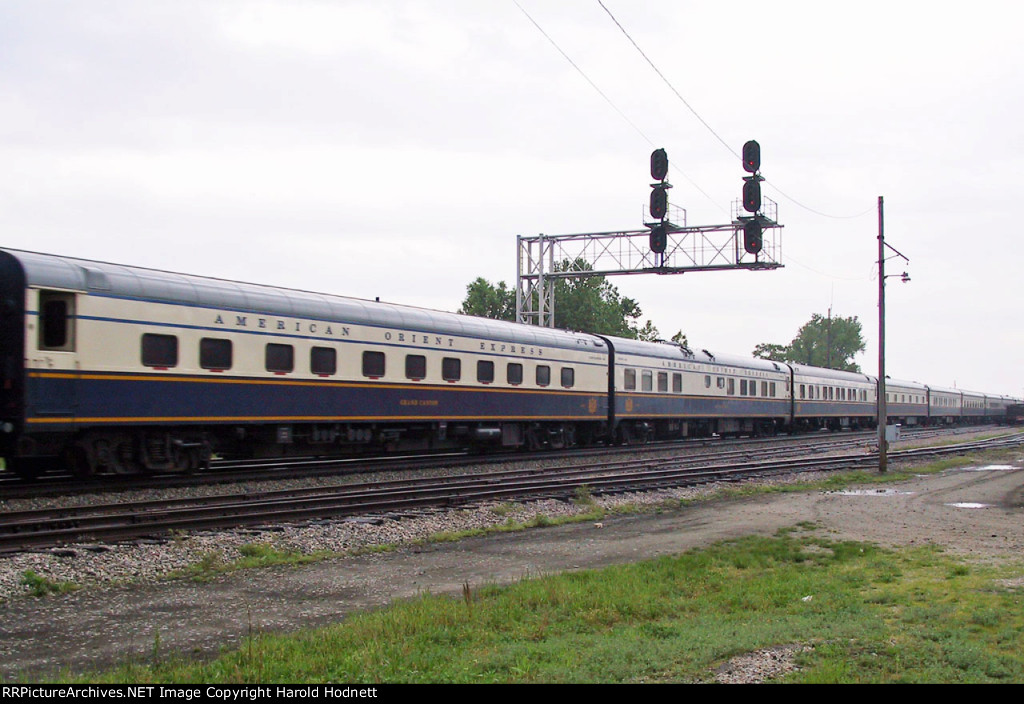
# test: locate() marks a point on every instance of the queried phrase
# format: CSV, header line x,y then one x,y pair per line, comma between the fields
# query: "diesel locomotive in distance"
x,y
117,369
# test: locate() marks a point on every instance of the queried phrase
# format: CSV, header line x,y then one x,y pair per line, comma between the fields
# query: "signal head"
x,y
659,239
659,164
659,202
752,240
751,194
751,157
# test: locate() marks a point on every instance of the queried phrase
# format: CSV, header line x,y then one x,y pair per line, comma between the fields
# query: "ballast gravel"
x,y
147,561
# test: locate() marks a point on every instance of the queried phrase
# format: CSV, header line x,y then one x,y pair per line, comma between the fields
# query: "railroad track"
x,y
233,471
111,522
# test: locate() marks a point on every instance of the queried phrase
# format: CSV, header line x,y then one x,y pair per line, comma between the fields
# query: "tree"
x,y
488,301
587,303
767,350
822,342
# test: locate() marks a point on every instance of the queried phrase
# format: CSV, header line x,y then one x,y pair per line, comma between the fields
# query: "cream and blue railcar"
x,y
973,406
996,406
121,368
906,402
945,406
834,399
664,390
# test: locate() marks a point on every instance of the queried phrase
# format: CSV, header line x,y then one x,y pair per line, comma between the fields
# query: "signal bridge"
x,y
668,246
545,258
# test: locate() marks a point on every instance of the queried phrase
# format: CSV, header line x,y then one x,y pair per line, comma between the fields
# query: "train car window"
x,y
743,387
568,377
323,361
764,388
707,381
677,383
215,353
721,382
373,364
415,367
451,368
485,371
514,373
772,386
803,391
646,381
732,387
629,379
663,382
279,358
543,375
159,350
56,321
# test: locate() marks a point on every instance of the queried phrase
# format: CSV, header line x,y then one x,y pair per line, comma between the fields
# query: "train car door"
x,y
53,378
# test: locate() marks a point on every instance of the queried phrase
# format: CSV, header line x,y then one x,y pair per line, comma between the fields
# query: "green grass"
x,y
869,615
39,585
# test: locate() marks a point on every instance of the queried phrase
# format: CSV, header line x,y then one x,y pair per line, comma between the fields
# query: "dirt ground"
x,y
976,512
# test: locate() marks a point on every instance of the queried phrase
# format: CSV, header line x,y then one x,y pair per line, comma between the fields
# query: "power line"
x,y
609,101
585,76
662,76
710,128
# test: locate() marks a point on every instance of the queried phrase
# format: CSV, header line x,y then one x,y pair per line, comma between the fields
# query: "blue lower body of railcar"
x,y
144,399
834,415
670,416
121,422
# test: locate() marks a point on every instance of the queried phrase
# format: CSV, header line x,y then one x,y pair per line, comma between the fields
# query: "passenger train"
x,y
117,369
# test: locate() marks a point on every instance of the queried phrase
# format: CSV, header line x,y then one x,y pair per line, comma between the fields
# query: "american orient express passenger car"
x,y
122,368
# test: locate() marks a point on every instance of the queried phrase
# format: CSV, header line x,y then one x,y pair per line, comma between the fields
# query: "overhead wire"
x,y
607,99
708,126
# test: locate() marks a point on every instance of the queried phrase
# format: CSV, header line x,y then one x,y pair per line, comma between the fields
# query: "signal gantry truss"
x,y
545,258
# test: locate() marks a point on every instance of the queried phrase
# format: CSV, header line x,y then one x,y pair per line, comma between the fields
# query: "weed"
x,y
540,521
583,496
39,585
504,509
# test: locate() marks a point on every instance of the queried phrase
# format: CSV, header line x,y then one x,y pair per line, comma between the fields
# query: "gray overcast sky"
x,y
396,149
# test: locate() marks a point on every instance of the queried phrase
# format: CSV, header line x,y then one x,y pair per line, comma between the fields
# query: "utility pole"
x,y
828,340
883,459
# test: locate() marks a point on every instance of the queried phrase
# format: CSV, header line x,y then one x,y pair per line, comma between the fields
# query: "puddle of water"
x,y
872,492
990,468
969,504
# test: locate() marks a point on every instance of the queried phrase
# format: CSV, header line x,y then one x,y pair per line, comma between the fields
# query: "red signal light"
x,y
659,202
751,157
752,194
752,241
659,239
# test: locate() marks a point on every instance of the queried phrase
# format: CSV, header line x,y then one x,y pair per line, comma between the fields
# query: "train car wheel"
x,y
27,468
76,461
